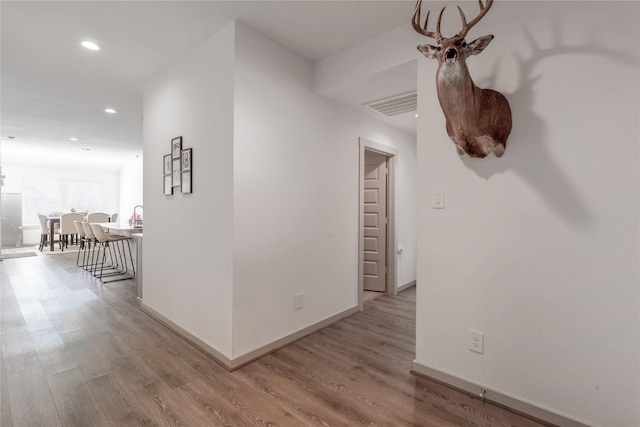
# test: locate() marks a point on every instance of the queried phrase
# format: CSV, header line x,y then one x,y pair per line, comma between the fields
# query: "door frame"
x,y
391,153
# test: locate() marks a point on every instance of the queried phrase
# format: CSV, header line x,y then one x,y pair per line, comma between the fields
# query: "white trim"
x,y
495,397
192,339
392,243
406,286
238,362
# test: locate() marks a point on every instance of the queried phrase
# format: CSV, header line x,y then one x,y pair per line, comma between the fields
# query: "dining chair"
x,y
114,244
114,217
44,231
94,217
68,229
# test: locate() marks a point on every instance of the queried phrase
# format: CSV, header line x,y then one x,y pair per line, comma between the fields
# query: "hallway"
x,y
78,354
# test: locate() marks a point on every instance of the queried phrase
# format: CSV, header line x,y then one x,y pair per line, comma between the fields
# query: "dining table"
x,y
52,221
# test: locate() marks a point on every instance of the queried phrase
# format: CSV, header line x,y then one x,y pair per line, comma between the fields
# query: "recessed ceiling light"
x,y
110,110
90,45
416,115
73,138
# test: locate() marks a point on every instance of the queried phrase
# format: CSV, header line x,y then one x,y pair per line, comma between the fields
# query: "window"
x,y
40,196
85,196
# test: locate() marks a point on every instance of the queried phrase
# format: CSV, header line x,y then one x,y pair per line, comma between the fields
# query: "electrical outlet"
x,y
476,341
299,300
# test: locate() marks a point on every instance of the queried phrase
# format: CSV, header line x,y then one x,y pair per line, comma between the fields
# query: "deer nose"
x,y
451,53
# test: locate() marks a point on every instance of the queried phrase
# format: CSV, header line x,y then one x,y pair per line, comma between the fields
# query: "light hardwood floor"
x,y
75,353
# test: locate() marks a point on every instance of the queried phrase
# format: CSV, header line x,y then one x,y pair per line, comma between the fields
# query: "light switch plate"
x,y
438,200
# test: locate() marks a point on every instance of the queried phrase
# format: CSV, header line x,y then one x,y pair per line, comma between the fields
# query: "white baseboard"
x,y
284,341
238,362
406,286
495,397
212,352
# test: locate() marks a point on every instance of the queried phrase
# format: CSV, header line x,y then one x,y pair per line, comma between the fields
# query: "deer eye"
x,y
464,44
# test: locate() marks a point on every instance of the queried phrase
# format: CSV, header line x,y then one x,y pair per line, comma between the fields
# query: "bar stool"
x,y
115,245
90,239
84,243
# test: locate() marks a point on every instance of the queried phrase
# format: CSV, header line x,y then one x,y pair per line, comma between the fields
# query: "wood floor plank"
x,y
141,381
5,400
86,354
159,358
30,398
109,363
284,383
11,316
75,404
118,403
344,387
52,352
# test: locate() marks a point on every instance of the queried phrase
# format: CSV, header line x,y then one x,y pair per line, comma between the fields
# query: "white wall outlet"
x,y
438,200
299,300
476,341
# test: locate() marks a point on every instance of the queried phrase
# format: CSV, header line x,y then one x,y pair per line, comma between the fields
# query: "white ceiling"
x,y
53,89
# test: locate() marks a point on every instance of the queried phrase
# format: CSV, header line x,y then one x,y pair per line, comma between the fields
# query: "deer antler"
x,y
423,29
466,27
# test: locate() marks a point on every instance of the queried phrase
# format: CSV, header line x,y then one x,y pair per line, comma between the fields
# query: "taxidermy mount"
x,y
478,120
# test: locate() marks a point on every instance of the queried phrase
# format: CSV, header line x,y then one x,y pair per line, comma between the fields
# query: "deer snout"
x,y
450,54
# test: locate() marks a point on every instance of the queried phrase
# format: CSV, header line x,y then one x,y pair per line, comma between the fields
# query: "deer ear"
x,y
428,50
478,45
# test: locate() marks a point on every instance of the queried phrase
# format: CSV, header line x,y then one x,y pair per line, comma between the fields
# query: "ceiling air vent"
x,y
396,104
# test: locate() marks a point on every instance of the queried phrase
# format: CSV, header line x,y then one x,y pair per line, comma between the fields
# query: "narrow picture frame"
x,y
176,147
186,159
185,186
167,164
175,172
167,187
167,178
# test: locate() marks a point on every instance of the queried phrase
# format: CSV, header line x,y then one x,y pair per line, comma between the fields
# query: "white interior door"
x,y
375,222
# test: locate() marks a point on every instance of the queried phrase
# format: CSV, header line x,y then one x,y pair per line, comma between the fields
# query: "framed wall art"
x,y
176,147
186,171
186,159
176,169
175,172
167,182
167,186
186,182
167,164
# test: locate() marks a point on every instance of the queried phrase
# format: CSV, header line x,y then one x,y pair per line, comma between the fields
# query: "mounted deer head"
x,y
478,120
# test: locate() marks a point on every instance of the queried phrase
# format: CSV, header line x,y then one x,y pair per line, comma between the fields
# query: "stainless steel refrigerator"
x,y
11,213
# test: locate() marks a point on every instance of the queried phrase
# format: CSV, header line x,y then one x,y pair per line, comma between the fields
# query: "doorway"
x,y
377,228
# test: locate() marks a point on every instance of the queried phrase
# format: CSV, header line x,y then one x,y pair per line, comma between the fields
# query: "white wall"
x,y
188,238
131,189
539,249
294,176
16,174
368,58
296,195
